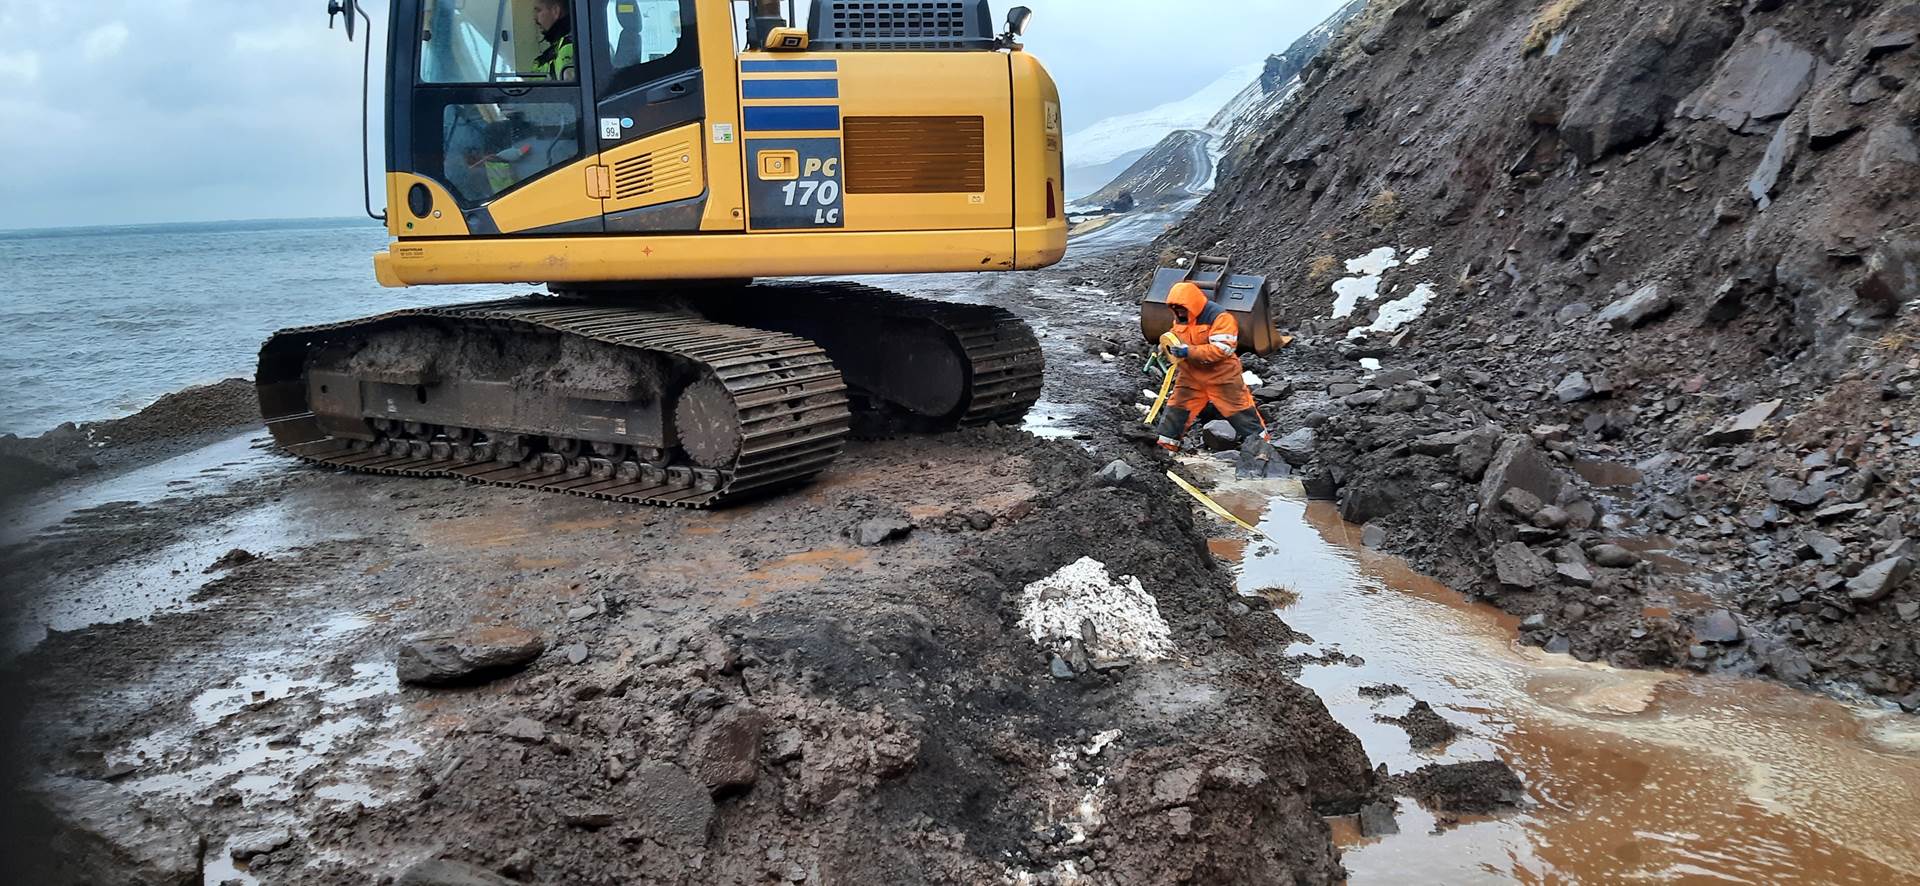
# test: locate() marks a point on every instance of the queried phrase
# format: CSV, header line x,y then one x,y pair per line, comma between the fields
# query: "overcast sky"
x,y
133,111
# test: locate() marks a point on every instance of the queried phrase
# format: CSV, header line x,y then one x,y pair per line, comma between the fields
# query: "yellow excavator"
x,y
647,161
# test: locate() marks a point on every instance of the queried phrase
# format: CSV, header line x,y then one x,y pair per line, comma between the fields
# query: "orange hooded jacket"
x,y
1212,337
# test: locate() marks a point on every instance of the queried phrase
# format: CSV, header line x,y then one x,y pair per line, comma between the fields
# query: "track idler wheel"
x,y
708,424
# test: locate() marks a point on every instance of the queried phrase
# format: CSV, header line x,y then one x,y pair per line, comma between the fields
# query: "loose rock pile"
x,y
1663,403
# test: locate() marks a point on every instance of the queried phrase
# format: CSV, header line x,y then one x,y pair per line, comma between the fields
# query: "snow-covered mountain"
x,y
1174,151
1116,137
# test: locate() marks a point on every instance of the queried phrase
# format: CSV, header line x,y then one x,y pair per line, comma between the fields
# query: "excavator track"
x,y
914,364
762,410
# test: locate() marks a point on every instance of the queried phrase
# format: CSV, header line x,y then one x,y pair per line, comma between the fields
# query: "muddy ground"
x,y
751,695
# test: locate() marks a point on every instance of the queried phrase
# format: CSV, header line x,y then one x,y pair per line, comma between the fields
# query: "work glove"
x,y
1179,351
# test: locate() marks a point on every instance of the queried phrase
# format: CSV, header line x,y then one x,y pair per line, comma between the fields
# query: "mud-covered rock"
x,y
726,750
1517,566
1476,788
1517,464
467,656
1209,816
1426,729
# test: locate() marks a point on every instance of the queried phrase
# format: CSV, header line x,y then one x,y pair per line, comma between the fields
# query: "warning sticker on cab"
x,y
723,133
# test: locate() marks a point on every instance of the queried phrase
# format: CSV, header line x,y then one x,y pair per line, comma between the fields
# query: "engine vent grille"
x,y
900,25
664,168
916,155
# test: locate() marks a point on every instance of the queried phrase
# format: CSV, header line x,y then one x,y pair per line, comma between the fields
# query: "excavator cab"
x,y
897,136
648,160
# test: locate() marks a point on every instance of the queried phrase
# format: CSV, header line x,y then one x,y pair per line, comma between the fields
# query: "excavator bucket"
x,y
1243,295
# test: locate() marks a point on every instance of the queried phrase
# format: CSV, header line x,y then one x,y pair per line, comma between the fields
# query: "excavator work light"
x,y
1017,19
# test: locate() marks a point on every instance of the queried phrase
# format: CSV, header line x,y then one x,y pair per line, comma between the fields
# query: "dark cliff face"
x,y
1283,67
1551,152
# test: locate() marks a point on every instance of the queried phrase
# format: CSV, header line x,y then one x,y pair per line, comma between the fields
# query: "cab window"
x,y
497,41
497,99
645,39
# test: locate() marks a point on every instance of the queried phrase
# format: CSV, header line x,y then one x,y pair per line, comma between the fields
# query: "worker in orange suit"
x,y
1205,341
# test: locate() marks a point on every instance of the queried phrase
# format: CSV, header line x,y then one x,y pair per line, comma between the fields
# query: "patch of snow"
x,y
1374,263
1348,293
1251,380
1365,284
1100,742
1370,364
1419,255
1126,619
1399,312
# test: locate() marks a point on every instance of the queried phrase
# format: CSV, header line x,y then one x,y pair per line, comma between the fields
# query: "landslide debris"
x,y
920,742
1605,313
653,696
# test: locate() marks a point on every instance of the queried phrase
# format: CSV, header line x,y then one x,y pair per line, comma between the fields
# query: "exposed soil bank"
x,y
28,463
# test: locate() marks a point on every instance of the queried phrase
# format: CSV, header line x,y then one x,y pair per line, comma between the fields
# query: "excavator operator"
x,y
558,60
1204,343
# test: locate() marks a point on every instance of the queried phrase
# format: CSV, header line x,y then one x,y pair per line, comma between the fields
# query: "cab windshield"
x,y
487,41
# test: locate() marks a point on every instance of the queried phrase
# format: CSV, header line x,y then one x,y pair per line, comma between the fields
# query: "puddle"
x,y
207,470
164,581
1054,421
1631,775
241,742
1607,474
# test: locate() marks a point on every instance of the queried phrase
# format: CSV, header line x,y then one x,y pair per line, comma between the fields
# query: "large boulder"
x,y
1644,304
1763,79
1668,52
1296,447
1518,464
1877,581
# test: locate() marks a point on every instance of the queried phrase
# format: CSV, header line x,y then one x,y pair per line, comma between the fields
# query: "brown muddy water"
x,y
1632,776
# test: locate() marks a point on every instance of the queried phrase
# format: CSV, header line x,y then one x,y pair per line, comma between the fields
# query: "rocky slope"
x,y
1605,313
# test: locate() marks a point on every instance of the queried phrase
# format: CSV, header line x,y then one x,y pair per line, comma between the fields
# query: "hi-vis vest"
x,y
562,62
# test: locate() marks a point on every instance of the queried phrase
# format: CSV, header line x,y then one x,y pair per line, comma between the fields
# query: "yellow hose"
x,y
1167,342
1166,387
1215,507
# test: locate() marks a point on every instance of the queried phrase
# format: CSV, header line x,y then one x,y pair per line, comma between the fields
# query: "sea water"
x,y
97,322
